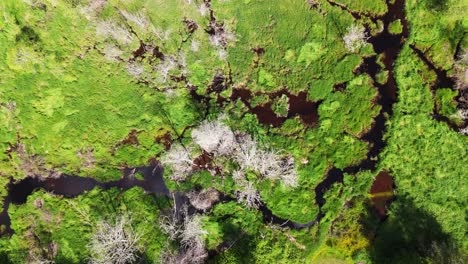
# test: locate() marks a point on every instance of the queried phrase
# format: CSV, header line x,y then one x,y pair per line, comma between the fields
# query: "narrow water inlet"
x,y
389,46
382,193
334,175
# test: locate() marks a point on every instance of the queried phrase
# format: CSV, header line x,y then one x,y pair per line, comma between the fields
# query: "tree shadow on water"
x,y
411,235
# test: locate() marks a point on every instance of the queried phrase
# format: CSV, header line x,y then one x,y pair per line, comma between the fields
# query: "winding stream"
x,y
384,43
153,182
389,46
71,186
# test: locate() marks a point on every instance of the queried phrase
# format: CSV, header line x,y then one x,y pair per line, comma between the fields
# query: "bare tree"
x,y
87,157
114,243
461,84
217,138
463,113
97,5
222,54
222,35
171,225
288,172
163,35
111,29
138,19
355,38
246,153
39,254
188,230
463,58
178,158
214,137
193,232
461,71
164,67
463,131
93,8
135,69
34,165
195,254
194,46
111,52
180,225
248,196
203,200
239,177
313,3
276,167
266,162
203,9
446,253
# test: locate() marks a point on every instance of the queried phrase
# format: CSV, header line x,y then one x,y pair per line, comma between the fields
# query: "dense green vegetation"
x,y
93,88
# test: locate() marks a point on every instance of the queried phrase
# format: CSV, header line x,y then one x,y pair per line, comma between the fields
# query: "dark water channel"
x,y
443,80
334,175
389,46
71,186
299,106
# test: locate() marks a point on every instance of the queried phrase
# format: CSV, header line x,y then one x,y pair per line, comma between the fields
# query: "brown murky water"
x,y
299,106
382,193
